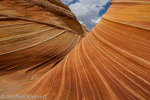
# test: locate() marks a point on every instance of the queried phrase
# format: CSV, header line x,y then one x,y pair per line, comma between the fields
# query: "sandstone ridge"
x,y
112,62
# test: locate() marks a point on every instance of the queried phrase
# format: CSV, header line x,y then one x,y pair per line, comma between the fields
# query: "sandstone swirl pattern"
x,y
111,63
34,36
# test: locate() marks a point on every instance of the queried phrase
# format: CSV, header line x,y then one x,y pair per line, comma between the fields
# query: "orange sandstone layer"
x,y
34,36
111,63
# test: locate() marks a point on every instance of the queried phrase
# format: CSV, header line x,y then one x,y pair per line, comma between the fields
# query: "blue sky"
x,y
88,12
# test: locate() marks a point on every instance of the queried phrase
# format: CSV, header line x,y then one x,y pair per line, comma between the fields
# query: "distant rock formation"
x,y
111,63
85,30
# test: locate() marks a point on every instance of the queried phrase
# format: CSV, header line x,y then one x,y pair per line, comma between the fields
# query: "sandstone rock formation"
x,y
85,30
111,63
34,36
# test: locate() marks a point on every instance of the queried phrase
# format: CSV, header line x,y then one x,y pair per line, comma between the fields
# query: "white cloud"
x,y
81,22
97,2
97,20
87,11
66,2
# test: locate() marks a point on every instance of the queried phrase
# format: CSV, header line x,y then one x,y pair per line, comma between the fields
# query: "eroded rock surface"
x,y
111,63
34,36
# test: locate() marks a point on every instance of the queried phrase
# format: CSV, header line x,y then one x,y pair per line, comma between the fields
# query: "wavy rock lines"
x,y
112,62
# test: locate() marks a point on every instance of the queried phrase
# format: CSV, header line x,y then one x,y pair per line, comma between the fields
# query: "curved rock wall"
x,y
34,38
111,63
